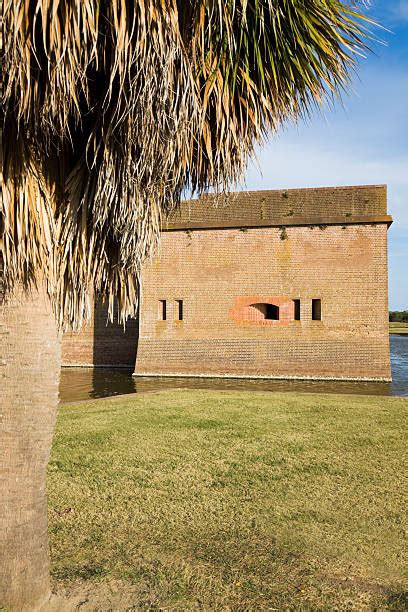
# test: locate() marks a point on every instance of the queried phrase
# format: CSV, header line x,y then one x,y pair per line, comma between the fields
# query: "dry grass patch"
x,y
231,501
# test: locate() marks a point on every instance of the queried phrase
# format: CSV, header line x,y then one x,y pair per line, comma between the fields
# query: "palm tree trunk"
x,y
29,375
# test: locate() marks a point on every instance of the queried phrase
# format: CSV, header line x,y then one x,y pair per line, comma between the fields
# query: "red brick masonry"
x,y
101,343
238,263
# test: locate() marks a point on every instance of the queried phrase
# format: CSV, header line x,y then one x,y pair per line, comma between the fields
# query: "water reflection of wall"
x,y
81,383
107,382
145,384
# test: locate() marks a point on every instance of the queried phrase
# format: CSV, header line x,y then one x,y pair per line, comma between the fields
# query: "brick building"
x,y
289,284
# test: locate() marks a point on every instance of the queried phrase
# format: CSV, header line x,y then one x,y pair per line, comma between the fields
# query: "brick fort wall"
x,y
101,343
237,277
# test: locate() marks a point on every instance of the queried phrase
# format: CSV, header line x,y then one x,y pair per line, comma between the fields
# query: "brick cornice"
x,y
289,221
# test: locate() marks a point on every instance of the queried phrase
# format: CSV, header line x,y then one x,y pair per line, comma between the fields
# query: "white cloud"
x,y
363,143
289,164
286,164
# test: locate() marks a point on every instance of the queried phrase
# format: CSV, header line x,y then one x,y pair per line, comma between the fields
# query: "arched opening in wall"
x,y
269,312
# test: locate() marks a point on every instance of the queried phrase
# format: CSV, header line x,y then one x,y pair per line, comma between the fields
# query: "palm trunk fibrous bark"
x,y
29,377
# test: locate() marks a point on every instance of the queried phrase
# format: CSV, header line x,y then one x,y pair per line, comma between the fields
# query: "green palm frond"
x,y
111,109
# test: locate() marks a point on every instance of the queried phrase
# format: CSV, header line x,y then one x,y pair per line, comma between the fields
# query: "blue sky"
x,y
363,140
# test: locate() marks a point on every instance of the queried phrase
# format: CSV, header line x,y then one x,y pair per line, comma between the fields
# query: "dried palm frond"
x,y
111,109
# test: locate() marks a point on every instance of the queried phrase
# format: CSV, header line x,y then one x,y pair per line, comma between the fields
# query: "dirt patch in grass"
x,y
100,597
230,501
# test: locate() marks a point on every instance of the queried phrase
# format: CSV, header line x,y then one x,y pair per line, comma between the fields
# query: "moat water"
x,y
84,383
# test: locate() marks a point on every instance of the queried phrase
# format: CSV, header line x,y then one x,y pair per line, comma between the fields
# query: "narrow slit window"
x,y
162,310
296,310
179,310
316,310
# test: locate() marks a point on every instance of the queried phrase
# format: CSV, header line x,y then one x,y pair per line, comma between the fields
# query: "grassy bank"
x,y
230,501
398,328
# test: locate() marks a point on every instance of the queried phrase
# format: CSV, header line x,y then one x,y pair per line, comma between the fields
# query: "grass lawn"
x,y
184,500
398,328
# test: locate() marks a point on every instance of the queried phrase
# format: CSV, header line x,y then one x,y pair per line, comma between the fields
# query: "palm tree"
x,y
111,110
